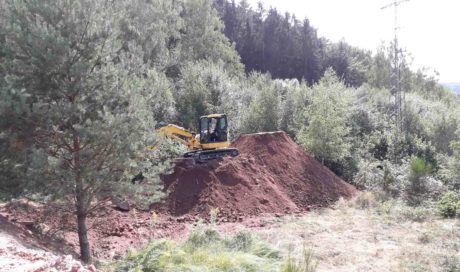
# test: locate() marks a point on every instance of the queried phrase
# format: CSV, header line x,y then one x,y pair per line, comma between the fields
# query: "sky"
x,y
428,30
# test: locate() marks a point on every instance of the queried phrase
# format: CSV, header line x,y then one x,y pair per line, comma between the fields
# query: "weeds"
x,y
153,219
364,200
306,263
214,216
208,250
204,250
365,230
416,214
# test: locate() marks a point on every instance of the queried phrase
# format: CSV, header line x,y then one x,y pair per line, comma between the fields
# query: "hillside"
x,y
84,85
454,86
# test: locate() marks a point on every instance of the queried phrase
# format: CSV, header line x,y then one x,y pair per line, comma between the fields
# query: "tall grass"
x,y
208,250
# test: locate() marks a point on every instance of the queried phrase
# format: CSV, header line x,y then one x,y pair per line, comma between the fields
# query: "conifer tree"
x,y
90,102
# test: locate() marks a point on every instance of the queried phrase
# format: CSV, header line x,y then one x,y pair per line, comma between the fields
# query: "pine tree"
x,y
90,102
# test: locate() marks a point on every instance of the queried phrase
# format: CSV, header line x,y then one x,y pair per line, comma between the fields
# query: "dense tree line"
x,y
83,84
288,48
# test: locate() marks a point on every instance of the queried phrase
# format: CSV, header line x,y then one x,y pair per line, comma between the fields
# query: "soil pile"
x,y
271,175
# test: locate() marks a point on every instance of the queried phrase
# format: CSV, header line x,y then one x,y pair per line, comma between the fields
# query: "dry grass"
x,y
374,236
365,234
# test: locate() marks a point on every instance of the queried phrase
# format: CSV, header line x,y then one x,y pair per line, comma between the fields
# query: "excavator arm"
x,y
179,134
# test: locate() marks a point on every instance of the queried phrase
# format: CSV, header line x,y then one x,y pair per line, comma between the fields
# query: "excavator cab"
x,y
213,129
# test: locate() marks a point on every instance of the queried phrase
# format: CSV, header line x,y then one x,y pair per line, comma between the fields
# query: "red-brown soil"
x,y
110,232
271,175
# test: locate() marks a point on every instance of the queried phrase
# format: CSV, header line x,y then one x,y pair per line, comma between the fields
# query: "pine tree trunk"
x,y
85,252
80,203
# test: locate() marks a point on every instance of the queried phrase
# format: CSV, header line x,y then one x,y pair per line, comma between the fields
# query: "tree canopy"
x,y
83,84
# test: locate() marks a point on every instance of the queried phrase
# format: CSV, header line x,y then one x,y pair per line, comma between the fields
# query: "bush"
x,y
417,186
365,200
449,205
416,214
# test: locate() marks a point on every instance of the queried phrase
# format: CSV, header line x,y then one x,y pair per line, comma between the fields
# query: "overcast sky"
x,y
429,30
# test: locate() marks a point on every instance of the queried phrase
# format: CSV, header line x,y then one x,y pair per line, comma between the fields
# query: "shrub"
x,y
449,204
419,169
385,207
365,200
416,214
417,186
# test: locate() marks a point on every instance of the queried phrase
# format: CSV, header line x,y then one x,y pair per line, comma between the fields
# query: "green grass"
x,y
208,250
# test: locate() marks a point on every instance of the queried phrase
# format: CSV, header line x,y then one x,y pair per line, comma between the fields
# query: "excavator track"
x,y
203,156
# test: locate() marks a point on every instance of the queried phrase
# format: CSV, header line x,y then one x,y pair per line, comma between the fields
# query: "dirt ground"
x,y
21,251
272,176
342,238
110,231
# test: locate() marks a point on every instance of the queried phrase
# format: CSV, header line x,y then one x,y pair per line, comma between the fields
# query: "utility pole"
x,y
396,73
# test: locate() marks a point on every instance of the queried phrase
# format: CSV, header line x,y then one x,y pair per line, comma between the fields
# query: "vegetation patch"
x,y
208,250
449,204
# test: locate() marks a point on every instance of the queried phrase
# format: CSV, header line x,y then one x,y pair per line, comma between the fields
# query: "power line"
x,y
396,71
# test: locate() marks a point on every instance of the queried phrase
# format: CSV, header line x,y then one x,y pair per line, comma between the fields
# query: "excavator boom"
x,y
180,135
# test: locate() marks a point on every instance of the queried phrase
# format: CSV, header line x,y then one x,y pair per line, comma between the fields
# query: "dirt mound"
x,y
272,175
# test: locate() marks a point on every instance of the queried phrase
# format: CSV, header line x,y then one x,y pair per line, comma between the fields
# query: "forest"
x,y
83,84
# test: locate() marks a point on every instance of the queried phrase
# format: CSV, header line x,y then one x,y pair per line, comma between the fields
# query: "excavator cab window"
x,y
213,129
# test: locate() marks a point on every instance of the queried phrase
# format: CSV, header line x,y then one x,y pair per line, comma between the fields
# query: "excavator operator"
x,y
213,130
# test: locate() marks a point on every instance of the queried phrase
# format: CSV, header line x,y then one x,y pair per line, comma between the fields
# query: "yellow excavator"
x,y
209,144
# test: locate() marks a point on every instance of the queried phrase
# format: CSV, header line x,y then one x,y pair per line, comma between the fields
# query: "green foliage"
x,y
83,84
380,74
90,103
203,38
449,204
453,166
204,250
349,63
263,111
443,133
416,214
192,97
14,141
325,135
297,97
419,169
204,88
154,26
